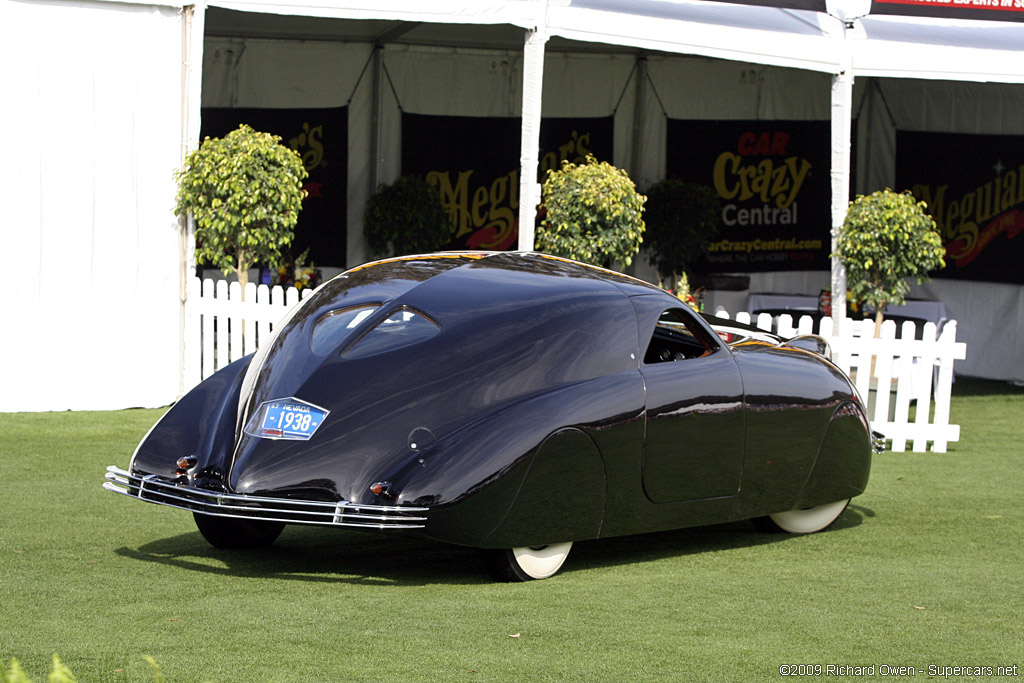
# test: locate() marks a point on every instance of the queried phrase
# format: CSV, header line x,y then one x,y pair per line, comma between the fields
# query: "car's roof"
x,y
405,272
495,310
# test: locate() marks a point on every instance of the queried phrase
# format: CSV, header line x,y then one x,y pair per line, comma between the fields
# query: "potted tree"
x,y
681,219
406,217
244,192
886,238
593,214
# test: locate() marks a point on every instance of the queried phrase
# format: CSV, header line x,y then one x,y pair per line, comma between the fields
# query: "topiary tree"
x,y
244,192
681,220
886,238
406,217
593,214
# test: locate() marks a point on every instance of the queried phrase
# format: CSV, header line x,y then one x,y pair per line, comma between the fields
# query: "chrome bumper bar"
x,y
878,442
342,513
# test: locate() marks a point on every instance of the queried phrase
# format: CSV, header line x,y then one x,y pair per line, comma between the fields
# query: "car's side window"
x,y
676,338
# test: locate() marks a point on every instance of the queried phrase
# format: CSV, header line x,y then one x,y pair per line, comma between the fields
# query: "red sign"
x,y
1006,10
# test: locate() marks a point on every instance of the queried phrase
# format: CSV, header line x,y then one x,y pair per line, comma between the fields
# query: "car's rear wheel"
x,y
806,521
528,563
228,533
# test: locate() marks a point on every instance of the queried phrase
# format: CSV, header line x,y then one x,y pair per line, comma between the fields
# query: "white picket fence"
x,y
221,328
906,371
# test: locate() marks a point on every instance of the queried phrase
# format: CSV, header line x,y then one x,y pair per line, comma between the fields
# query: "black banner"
x,y
974,188
809,5
474,162
321,137
773,180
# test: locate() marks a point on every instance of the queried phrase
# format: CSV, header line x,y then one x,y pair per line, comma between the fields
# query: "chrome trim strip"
x,y
878,442
153,489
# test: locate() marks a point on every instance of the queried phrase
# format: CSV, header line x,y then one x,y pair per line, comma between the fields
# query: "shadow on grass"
x,y
332,556
970,386
692,541
322,555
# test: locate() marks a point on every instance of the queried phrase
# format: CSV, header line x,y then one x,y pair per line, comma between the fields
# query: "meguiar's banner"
x,y
772,178
474,163
321,137
974,188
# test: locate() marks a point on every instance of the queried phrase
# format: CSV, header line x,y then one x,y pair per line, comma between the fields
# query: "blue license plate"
x,y
286,419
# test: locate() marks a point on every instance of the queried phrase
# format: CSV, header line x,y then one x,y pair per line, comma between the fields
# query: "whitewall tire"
x,y
527,563
806,521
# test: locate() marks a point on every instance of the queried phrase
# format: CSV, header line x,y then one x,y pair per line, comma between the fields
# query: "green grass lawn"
x,y
925,569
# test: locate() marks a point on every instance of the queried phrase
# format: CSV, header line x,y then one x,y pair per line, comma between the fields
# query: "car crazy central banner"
x,y
474,163
773,180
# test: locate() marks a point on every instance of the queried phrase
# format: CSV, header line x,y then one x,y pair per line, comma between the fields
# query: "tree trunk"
x,y
879,316
242,270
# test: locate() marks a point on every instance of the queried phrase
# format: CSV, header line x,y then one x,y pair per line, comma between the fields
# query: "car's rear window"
x,y
401,328
332,328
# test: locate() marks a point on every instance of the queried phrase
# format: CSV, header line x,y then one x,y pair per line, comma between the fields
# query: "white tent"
x,y
106,99
92,115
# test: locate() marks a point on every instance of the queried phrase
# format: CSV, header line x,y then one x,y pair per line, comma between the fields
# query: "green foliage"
x,y
681,220
593,214
886,238
406,217
62,674
15,674
58,673
244,192
158,676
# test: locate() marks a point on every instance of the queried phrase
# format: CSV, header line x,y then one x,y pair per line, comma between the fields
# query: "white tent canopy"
x,y
116,86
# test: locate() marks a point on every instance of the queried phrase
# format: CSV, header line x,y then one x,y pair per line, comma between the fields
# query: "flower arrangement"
x,y
298,274
853,307
694,299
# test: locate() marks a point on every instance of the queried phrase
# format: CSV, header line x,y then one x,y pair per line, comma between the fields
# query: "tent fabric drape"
x,y
520,13
90,239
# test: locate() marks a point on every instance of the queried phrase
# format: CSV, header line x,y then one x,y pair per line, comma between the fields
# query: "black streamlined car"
x,y
512,402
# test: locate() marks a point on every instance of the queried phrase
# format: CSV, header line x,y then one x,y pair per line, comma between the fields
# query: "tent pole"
x,y
376,117
533,86
638,116
193,22
842,112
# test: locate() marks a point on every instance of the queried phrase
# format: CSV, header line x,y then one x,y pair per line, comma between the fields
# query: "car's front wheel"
x,y
228,533
806,521
525,564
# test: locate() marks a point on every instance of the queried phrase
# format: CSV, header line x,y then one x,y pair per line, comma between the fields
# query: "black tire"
x,y
229,533
808,521
526,564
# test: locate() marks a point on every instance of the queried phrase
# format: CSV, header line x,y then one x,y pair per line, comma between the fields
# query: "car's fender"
x,y
843,461
481,482
561,498
202,423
